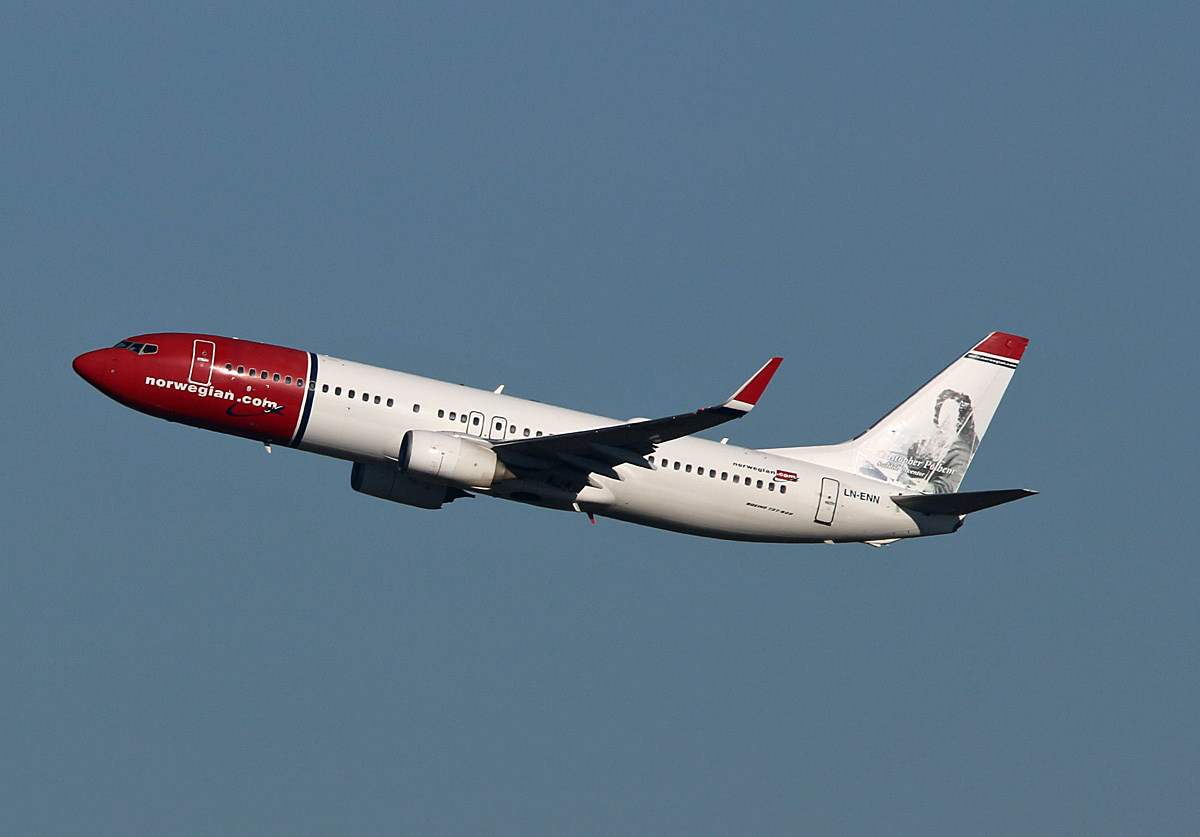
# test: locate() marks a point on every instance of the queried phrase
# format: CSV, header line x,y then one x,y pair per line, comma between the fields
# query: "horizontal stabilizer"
x,y
963,502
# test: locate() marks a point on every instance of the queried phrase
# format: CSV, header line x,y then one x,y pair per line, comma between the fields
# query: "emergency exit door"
x,y
498,428
475,424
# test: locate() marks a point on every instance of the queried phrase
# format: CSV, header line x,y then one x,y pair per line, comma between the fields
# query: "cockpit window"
x,y
137,348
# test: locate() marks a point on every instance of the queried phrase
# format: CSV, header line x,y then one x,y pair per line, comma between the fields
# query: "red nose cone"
x,y
94,366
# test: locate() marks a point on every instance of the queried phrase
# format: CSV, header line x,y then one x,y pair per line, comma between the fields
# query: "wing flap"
x,y
588,465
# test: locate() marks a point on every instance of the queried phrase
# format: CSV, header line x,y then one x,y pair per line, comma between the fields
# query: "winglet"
x,y
746,397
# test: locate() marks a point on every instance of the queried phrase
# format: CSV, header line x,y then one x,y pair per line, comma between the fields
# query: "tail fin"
x,y
927,442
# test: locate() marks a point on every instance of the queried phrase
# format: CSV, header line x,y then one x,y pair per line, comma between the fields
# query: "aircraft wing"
x,y
583,452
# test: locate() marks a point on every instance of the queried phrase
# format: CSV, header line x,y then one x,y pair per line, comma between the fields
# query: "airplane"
x,y
425,443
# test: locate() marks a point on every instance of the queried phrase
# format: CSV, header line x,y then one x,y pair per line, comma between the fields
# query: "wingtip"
x,y
752,390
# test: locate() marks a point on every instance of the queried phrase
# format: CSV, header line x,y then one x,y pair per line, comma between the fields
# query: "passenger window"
x,y
770,486
539,433
263,374
300,383
241,370
736,478
512,428
463,418
677,464
288,380
454,417
324,387
499,425
759,485
337,390
229,367
724,475
312,385
475,421
650,459
441,413
525,432
688,469
253,374
276,378
712,475
782,488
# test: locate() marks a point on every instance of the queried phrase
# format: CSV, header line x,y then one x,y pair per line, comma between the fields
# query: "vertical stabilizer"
x,y
926,443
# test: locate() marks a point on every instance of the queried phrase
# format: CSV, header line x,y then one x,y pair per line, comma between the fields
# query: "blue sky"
x,y
625,209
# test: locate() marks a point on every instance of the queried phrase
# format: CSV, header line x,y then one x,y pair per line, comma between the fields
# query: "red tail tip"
x,y
1003,345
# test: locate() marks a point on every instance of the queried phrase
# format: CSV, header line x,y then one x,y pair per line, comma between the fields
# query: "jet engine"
x,y
390,484
451,460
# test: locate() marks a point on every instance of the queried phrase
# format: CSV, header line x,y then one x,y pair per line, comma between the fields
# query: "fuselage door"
x,y
498,428
476,424
202,357
827,505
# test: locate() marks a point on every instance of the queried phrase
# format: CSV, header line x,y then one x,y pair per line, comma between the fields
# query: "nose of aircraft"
x,y
94,366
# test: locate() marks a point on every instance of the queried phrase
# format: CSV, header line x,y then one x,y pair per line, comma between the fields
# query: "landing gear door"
x,y
827,505
202,356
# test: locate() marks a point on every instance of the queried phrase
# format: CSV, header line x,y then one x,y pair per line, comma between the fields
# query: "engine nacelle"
x,y
453,460
390,484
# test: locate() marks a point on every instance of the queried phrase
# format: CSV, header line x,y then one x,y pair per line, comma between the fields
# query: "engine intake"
x,y
450,460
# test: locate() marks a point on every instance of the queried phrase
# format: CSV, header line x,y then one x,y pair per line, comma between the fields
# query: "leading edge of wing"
x,y
631,441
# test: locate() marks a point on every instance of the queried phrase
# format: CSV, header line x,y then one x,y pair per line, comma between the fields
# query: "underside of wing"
x,y
573,456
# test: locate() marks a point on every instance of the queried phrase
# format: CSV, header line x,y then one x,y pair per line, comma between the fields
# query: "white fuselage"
x,y
694,486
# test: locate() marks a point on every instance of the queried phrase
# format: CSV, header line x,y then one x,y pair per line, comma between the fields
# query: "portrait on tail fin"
x,y
929,454
936,464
